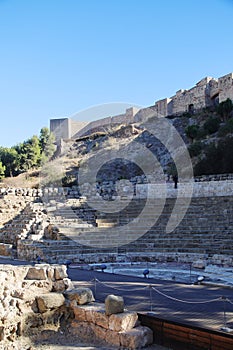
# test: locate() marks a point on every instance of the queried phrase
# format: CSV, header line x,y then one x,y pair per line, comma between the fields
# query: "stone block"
x,y
136,338
36,273
114,304
60,272
79,314
101,319
81,295
50,301
100,332
113,338
59,286
123,321
83,331
199,264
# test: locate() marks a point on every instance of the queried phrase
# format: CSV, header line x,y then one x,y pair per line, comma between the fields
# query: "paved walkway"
x,y
197,305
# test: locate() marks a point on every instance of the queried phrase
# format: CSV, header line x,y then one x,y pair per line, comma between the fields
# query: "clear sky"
x,y
62,56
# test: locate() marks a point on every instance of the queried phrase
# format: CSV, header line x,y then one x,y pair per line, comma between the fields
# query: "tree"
x,y
10,159
211,125
47,146
29,154
192,131
2,171
225,108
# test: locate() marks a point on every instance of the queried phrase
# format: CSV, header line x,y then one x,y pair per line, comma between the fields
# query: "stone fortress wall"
x,y
206,93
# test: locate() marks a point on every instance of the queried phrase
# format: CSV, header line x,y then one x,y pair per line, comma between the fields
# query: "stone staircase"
x,y
28,224
206,229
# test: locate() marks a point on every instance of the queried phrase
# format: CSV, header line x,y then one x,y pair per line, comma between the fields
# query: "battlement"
x,y
206,93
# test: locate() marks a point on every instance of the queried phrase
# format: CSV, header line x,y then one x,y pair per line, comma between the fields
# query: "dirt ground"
x,y
60,341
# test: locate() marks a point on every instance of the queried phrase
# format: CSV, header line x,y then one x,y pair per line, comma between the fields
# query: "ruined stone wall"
x,y
105,123
31,300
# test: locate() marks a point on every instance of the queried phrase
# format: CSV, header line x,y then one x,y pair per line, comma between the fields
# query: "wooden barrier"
x,y
186,337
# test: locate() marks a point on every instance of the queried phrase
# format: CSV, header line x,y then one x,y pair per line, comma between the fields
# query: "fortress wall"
x,y
126,118
60,128
206,93
145,113
225,87
76,126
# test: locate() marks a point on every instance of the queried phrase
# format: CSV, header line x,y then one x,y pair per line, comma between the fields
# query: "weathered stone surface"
x,y
19,311
199,264
112,338
50,301
81,295
101,319
59,286
136,338
100,332
36,273
5,249
60,272
83,331
114,304
79,313
123,321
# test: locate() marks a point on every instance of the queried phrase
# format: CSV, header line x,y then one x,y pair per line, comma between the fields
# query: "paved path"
x,y
139,296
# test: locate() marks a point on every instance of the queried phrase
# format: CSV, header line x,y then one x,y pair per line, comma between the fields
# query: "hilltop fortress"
x,y
206,93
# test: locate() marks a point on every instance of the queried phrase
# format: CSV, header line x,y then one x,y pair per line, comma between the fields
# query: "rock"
x,y
113,338
60,272
101,319
50,301
136,338
36,273
114,304
100,332
79,314
81,295
123,321
59,286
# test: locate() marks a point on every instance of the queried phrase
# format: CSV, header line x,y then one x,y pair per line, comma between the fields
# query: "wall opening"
x,y
191,108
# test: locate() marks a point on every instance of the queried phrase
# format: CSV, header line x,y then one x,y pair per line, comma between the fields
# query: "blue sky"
x,y
62,56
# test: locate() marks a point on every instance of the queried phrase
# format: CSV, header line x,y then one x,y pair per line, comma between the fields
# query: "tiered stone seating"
x,y
206,229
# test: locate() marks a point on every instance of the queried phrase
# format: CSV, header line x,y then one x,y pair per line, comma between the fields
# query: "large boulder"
x,y
114,304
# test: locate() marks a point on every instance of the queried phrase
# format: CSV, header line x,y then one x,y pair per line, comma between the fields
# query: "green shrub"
x,y
192,131
211,125
218,159
201,134
226,129
195,149
225,108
